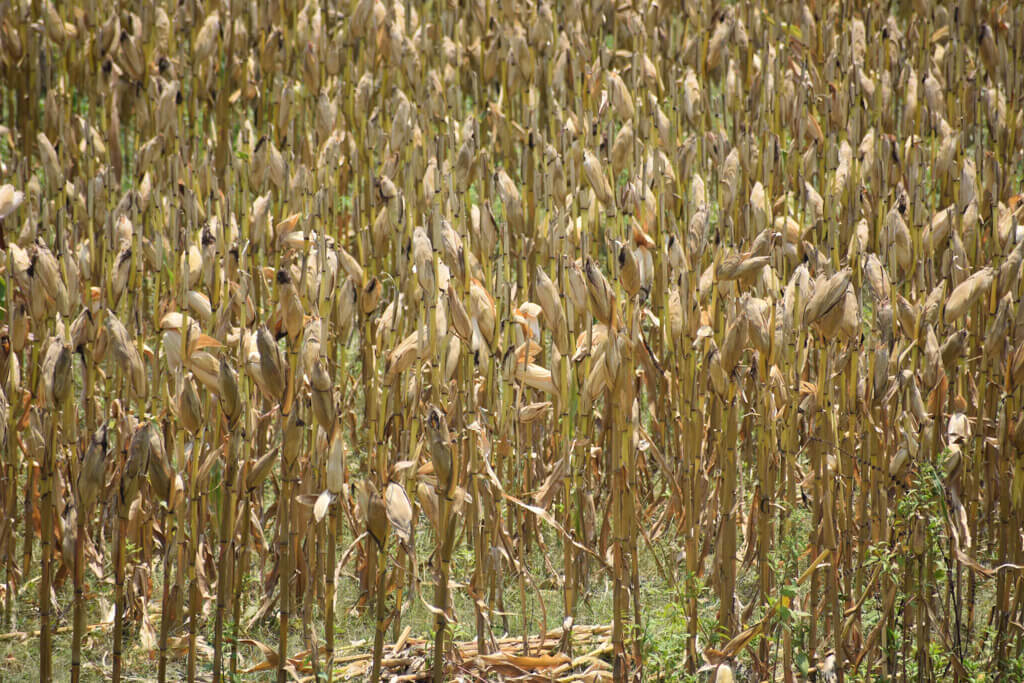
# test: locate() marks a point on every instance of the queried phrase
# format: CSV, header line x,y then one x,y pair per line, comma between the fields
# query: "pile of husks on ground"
x,y
297,296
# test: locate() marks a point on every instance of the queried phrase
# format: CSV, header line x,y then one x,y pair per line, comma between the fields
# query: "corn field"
x,y
549,341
